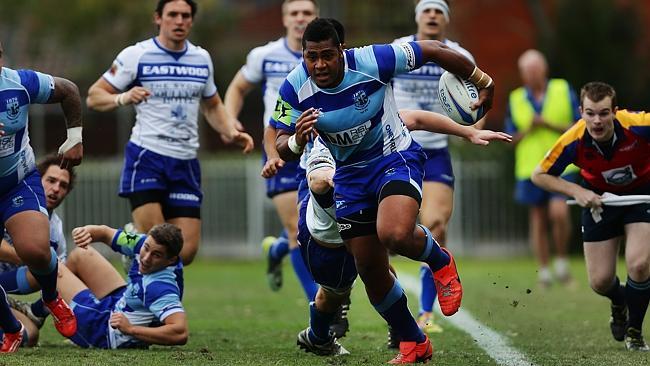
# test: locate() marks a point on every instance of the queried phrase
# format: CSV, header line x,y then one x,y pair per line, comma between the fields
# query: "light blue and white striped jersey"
x,y
359,120
148,298
167,122
19,89
269,65
57,242
419,90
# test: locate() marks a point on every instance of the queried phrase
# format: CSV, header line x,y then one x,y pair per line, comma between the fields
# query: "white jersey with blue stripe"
x,y
57,242
19,89
419,90
148,298
359,120
167,123
269,65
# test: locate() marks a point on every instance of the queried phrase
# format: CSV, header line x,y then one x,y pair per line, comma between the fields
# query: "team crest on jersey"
x,y
361,100
178,112
619,176
17,201
13,108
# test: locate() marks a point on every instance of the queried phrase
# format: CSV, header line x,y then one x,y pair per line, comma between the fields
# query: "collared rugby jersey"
x,y
418,90
167,123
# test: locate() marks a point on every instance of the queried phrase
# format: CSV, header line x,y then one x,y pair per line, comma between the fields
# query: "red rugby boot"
x,y
450,291
412,352
64,320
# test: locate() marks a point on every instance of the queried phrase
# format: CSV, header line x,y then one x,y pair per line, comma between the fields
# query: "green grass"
x,y
236,320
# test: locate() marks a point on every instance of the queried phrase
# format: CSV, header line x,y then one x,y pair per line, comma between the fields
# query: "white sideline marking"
x,y
495,345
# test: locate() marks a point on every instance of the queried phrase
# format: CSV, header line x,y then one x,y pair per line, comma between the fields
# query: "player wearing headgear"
x,y
22,202
612,149
269,65
418,89
168,80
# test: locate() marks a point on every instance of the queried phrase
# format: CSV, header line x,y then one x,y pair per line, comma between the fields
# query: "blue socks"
x,y
8,321
39,309
15,281
428,295
394,309
433,254
637,295
319,325
305,278
280,247
47,279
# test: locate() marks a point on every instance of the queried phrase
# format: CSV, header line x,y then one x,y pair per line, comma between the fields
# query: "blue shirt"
x,y
359,120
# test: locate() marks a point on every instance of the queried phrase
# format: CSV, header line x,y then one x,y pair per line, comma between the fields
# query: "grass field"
x,y
236,320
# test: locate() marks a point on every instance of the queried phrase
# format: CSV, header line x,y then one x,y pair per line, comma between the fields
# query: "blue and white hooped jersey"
x,y
19,89
167,122
269,65
359,120
419,90
148,298
57,242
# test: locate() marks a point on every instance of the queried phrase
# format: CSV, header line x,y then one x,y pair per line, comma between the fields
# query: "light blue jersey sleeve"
x,y
384,61
287,108
127,243
161,295
39,86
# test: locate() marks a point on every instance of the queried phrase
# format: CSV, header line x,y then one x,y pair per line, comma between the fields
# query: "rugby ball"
x,y
456,95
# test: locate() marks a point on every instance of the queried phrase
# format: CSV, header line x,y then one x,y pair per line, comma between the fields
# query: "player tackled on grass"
x,y
379,167
612,149
146,309
22,199
168,80
320,243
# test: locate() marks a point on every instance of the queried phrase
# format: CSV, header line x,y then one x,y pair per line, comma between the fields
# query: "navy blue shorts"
x,y
27,195
93,316
332,268
359,188
527,193
437,167
614,219
303,187
144,170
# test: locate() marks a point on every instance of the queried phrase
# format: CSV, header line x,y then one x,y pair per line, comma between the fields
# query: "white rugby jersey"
x,y
419,90
167,122
269,65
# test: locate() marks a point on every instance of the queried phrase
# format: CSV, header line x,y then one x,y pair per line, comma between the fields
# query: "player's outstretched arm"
x,y
174,331
66,93
436,122
85,235
224,123
237,90
549,182
273,160
103,97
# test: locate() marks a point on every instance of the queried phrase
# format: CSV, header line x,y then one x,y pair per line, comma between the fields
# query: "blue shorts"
x,y
144,170
614,219
286,180
332,268
27,195
437,167
303,187
93,316
529,194
359,188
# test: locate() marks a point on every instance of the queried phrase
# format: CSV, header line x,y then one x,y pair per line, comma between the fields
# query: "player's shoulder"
x,y
268,48
193,49
10,74
631,118
136,50
298,76
55,219
165,275
574,133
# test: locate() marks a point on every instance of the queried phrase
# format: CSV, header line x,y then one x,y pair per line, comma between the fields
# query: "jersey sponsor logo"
x,y
7,145
349,137
17,201
410,55
429,69
619,176
184,196
361,101
175,70
282,111
278,67
342,227
13,108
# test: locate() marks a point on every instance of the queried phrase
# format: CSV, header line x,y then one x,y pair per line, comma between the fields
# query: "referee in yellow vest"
x,y
538,113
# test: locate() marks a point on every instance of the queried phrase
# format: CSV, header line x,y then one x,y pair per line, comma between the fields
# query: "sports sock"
x,y
8,321
305,278
433,254
394,309
616,293
637,295
9,281
39,309
319,324
47,278
280,247
428,295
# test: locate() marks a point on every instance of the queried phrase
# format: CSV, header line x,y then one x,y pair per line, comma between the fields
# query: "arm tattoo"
x,y
67,94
